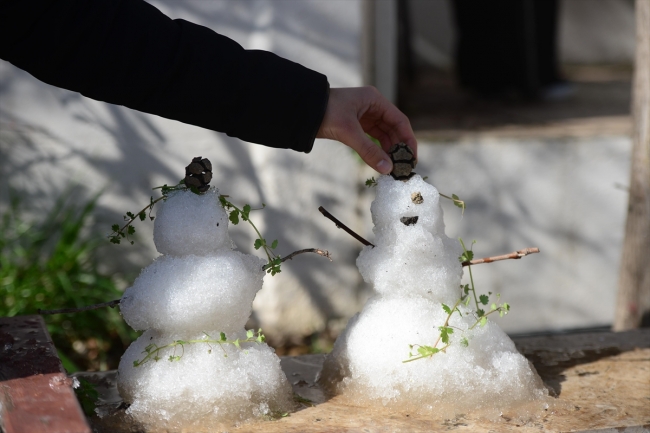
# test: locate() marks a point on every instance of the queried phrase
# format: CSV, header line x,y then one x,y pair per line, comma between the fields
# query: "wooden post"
x,y
634,279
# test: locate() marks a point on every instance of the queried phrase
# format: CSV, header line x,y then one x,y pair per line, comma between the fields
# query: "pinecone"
x,y
199,174
403,161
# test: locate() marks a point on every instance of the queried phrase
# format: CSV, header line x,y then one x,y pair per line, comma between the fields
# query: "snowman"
x,y
198,292
416,274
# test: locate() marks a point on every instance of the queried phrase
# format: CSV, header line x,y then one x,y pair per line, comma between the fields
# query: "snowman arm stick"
x,y
342,226
111,304
513,255
320,252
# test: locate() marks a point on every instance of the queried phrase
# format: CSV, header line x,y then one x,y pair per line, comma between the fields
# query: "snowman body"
x,y
199,288
414,269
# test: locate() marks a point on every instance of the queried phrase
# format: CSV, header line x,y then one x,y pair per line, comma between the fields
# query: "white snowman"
x,y
414,268
200,288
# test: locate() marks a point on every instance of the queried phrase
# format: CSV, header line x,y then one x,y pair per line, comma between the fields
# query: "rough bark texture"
x,y
634,280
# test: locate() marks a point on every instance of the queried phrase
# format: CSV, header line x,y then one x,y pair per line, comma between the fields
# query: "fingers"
x,y
369,152
353,112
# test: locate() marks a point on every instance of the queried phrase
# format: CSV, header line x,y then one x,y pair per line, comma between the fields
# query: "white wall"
x,y
50,137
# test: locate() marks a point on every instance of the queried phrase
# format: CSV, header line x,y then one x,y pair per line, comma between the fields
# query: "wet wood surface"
x,y
601,383
35,393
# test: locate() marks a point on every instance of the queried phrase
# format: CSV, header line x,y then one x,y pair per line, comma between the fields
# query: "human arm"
x,y
126,52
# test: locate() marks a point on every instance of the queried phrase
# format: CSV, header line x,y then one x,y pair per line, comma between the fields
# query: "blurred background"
x,y
521,108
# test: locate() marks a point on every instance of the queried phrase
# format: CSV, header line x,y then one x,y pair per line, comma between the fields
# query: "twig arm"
x,y
342,226
320,252
514,255
111,304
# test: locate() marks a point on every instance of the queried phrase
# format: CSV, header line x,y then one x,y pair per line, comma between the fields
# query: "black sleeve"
x,y
127,52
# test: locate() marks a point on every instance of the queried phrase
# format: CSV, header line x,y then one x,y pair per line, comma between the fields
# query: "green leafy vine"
x,y
235,214
152,351
425,351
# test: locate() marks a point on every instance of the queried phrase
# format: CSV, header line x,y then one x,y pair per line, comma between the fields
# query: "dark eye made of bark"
x,y
199,174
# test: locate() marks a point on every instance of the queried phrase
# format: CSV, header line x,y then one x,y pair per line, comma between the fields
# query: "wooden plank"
x,y
601,381
36,395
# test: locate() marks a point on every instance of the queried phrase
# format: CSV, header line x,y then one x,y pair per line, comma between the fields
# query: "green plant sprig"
x,y
152,351
445,331
457,201
127,229
424,351
234,214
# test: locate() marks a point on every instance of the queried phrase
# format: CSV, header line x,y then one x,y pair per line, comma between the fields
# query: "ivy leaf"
x,y
480,312
142,215
115,227
446,308
130,230
484,299
466,256
245,212
258,243
234,217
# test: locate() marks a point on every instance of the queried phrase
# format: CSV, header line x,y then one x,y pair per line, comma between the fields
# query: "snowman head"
x,y
189,223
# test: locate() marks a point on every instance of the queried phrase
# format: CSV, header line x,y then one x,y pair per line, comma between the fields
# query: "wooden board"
x,y
35,393
602,382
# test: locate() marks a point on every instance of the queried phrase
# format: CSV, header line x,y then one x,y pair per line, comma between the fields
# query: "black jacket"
x,y
127,52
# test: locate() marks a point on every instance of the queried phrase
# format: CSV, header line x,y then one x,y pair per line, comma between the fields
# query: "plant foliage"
x,y
53,259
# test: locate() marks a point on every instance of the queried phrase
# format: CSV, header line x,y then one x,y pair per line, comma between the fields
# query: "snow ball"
x,y
209,387
367,361
194,293
188,223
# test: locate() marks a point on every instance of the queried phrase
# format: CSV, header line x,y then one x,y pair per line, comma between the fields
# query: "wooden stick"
x,y
514,255
323,253
342,226
111,304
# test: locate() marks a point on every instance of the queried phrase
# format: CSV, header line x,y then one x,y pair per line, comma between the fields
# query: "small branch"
x,y
342,226
323,253
111,304
514,255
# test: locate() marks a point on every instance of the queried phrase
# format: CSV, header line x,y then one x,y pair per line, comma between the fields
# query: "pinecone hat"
x,y
198,174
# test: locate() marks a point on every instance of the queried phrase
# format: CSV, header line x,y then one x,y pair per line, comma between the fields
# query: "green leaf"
x,y
258,243
371,182
427,350
480,312
236,343
115,227
222,336
234,217
130,230
142,215
245,212
250,333
464,342
483,321
484,299
274,244
446,308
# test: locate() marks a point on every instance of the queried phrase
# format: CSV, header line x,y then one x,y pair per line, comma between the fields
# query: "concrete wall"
x,y
558,194
565,195
50,137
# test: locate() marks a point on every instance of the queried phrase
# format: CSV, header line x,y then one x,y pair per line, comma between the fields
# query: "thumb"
x,y
369,152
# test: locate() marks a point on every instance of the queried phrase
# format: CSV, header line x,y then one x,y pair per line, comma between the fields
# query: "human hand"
x,y
353,112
